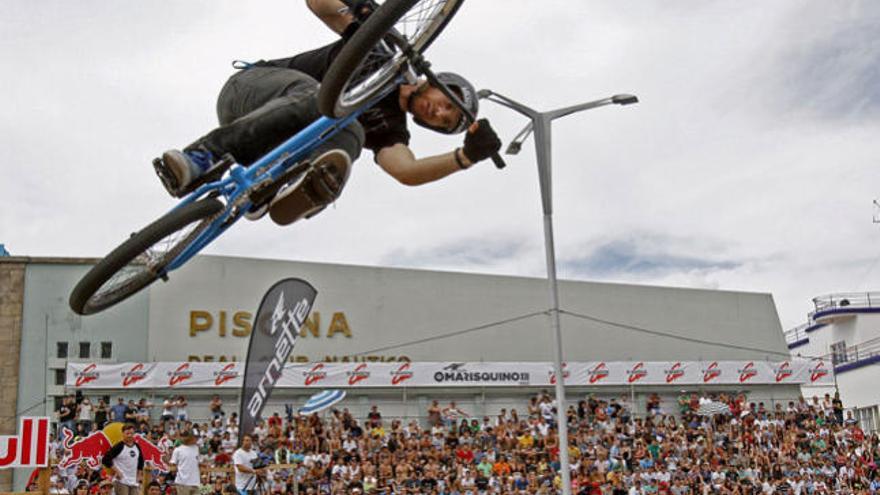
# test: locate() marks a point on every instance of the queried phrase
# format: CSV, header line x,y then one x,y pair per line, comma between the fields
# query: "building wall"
x,y
362,309
12,282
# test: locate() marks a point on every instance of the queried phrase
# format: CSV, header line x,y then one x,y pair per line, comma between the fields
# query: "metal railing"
x,y
846,299
855,353
797,333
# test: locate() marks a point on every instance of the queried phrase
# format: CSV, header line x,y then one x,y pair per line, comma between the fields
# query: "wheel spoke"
x,y
382,62
151,262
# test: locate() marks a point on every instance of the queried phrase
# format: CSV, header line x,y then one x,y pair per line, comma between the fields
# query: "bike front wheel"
x,y
140,260
367,63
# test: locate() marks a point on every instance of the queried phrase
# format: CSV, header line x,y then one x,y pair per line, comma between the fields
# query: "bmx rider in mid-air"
x,y
267,102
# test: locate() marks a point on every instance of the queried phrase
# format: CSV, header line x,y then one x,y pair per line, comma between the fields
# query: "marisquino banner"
x,y
455,374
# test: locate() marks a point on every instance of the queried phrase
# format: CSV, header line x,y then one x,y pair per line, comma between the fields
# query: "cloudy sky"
x,y
750,164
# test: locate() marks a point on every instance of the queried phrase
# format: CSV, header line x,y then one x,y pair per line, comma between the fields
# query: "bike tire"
x,y
88,298
330,97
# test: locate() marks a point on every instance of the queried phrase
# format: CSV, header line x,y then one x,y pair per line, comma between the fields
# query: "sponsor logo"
x,y
598,372
401,374
711,372
674,373
134,375
179,375
747,372
228,373
565,374
818,371
88,374
783,372
456,373
288,322
30,448
153,455
315,374
636,373
89,449
358,374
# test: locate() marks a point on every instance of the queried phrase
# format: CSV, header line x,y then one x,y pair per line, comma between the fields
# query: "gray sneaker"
x,y
187,166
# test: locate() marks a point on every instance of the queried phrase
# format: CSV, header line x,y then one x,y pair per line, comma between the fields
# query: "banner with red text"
x,y
450,374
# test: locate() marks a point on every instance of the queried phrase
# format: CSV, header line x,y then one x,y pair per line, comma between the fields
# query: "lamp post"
x,y
540,123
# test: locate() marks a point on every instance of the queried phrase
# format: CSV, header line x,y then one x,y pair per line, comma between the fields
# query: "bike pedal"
x,y
167,178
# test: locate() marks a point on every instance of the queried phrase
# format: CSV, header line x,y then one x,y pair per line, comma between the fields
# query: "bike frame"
x,y
240,180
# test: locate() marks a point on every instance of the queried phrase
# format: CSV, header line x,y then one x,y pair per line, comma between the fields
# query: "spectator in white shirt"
x,y
245,474
185,460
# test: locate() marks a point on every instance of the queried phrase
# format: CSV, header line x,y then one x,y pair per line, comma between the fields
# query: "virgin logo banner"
x,y
447,374
282,312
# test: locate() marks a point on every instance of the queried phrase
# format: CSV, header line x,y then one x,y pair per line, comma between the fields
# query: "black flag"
x,y
282,312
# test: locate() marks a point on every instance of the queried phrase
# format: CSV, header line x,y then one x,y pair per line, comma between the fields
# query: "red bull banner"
x,y
91,448
451,374
30,448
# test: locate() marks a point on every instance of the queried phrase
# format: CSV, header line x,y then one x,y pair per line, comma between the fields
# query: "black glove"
x,y
361,9
481,143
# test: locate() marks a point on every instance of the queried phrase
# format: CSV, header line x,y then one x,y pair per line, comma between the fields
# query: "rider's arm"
x,y
398,160
332,12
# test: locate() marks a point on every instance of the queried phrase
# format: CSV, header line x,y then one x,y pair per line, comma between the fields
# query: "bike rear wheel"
x,y
366,64
140,260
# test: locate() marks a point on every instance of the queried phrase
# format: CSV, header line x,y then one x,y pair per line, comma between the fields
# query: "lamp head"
x,y
624,99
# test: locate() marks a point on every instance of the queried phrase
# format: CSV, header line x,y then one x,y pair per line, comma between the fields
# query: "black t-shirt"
x,y
67,412
384,124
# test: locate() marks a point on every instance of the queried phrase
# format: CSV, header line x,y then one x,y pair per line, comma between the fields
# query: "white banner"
x,y
183,375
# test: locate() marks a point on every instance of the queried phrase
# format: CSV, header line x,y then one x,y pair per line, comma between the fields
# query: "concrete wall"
x,y
390,309
11,301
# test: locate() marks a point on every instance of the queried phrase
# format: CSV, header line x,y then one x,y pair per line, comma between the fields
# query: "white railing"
x,y
797,333
847,299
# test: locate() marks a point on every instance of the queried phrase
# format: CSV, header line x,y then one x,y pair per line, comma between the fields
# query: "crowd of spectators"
x,y
805,447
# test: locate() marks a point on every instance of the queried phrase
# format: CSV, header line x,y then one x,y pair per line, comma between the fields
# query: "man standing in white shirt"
x,y
127,463
185,459
243,459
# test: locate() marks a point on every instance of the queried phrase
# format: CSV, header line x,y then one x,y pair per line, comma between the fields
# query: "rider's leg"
x,y
259,108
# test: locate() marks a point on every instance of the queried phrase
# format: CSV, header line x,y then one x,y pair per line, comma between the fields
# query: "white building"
x,y
846,327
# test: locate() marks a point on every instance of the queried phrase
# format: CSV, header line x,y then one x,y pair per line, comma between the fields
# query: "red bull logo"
x,y
783,371
134,375
179,375
598,372
90,449
28,449
636,373
358,374
818,371
565,374
674,373
88,374
228,373
315,374
711,372
152,454
401,374
747,372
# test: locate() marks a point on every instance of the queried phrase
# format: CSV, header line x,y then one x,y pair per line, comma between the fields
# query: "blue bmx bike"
x,y
384,52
